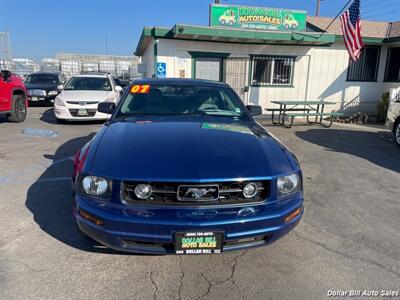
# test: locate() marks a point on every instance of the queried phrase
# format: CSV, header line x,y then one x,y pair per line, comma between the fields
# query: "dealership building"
x,y
275,54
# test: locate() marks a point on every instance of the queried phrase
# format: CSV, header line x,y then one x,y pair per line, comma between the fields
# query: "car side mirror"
x,y
255,110
106,107
5,74
60,87
118,89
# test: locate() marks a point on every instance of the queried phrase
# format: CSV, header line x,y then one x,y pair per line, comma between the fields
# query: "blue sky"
x,y
41,28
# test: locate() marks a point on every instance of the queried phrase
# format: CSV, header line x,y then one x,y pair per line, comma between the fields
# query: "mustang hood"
x,y
185,151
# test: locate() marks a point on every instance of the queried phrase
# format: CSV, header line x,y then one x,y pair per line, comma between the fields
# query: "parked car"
x,y
182,167
124,83
289,22
13,97
79,98
42,86
228,18
393,115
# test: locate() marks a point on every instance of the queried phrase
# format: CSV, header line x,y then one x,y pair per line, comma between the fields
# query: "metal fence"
x,y
24,66
50,65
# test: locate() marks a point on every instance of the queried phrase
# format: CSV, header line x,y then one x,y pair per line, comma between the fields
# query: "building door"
x,y
236,74
208,68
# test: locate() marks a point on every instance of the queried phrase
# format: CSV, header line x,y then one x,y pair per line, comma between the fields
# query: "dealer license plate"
x,y
82,112
207,242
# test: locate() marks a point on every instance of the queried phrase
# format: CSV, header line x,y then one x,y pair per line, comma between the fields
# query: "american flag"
x,y
350,21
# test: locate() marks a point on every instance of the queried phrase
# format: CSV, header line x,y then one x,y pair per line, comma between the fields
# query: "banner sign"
x,y
261,18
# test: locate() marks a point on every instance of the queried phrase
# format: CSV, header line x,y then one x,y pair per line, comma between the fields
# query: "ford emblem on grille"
x,y
198,192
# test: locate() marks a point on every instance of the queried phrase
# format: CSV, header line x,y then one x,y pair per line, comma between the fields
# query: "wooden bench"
x,y
312,114
273,110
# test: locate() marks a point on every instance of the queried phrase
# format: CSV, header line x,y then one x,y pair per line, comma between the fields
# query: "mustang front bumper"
x,y
151,229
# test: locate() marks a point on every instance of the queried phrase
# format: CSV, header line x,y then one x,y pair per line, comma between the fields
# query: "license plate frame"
x,y
82,112
198,242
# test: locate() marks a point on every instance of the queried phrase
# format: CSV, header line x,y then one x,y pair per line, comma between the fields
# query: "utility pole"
x,y
318,5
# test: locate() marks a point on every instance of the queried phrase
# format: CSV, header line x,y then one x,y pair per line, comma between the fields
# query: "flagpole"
x,y
330,24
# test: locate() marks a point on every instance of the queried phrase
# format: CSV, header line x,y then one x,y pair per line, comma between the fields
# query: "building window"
x,y
393,65
366,68
271,70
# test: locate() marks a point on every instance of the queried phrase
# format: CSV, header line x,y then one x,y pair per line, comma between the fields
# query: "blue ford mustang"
x,y
182,167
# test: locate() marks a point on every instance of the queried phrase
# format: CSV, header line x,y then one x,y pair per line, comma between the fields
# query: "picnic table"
x,y
292,109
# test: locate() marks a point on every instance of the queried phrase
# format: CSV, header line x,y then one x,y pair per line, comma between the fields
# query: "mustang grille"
x,y
171,193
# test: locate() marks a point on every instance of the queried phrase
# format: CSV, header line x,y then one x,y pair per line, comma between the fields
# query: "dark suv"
x,y
42,86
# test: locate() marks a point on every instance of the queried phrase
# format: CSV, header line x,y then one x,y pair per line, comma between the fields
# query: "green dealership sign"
x,y
262,18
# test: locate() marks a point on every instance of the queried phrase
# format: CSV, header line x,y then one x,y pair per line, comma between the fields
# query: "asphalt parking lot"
x,y
348,239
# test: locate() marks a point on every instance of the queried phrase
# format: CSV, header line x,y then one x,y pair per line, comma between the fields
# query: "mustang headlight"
x,y
289,184
96,186
59,102
52,93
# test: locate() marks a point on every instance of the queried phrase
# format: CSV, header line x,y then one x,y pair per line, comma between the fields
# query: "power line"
x,y
327,27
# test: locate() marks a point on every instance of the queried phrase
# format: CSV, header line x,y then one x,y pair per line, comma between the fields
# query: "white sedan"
x,y
79,98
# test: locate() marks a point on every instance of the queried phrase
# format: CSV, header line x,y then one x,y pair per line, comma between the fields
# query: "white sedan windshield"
x,y
88,83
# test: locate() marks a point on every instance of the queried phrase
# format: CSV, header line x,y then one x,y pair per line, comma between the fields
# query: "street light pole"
x,y
318,5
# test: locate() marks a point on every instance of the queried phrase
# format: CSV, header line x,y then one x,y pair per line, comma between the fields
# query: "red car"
x,y
13,97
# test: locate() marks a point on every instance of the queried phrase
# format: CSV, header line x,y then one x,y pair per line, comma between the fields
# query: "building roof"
x,y
394,30
371,31
231,35
387,31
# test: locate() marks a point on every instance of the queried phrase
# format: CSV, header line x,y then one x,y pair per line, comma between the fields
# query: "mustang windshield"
x,y
176,99
88,84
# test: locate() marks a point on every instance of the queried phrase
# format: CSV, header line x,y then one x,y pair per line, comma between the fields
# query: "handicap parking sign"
x,y
161,70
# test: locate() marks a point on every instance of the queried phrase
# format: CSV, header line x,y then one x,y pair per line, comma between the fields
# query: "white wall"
x,y
387,86
320,72
148,59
